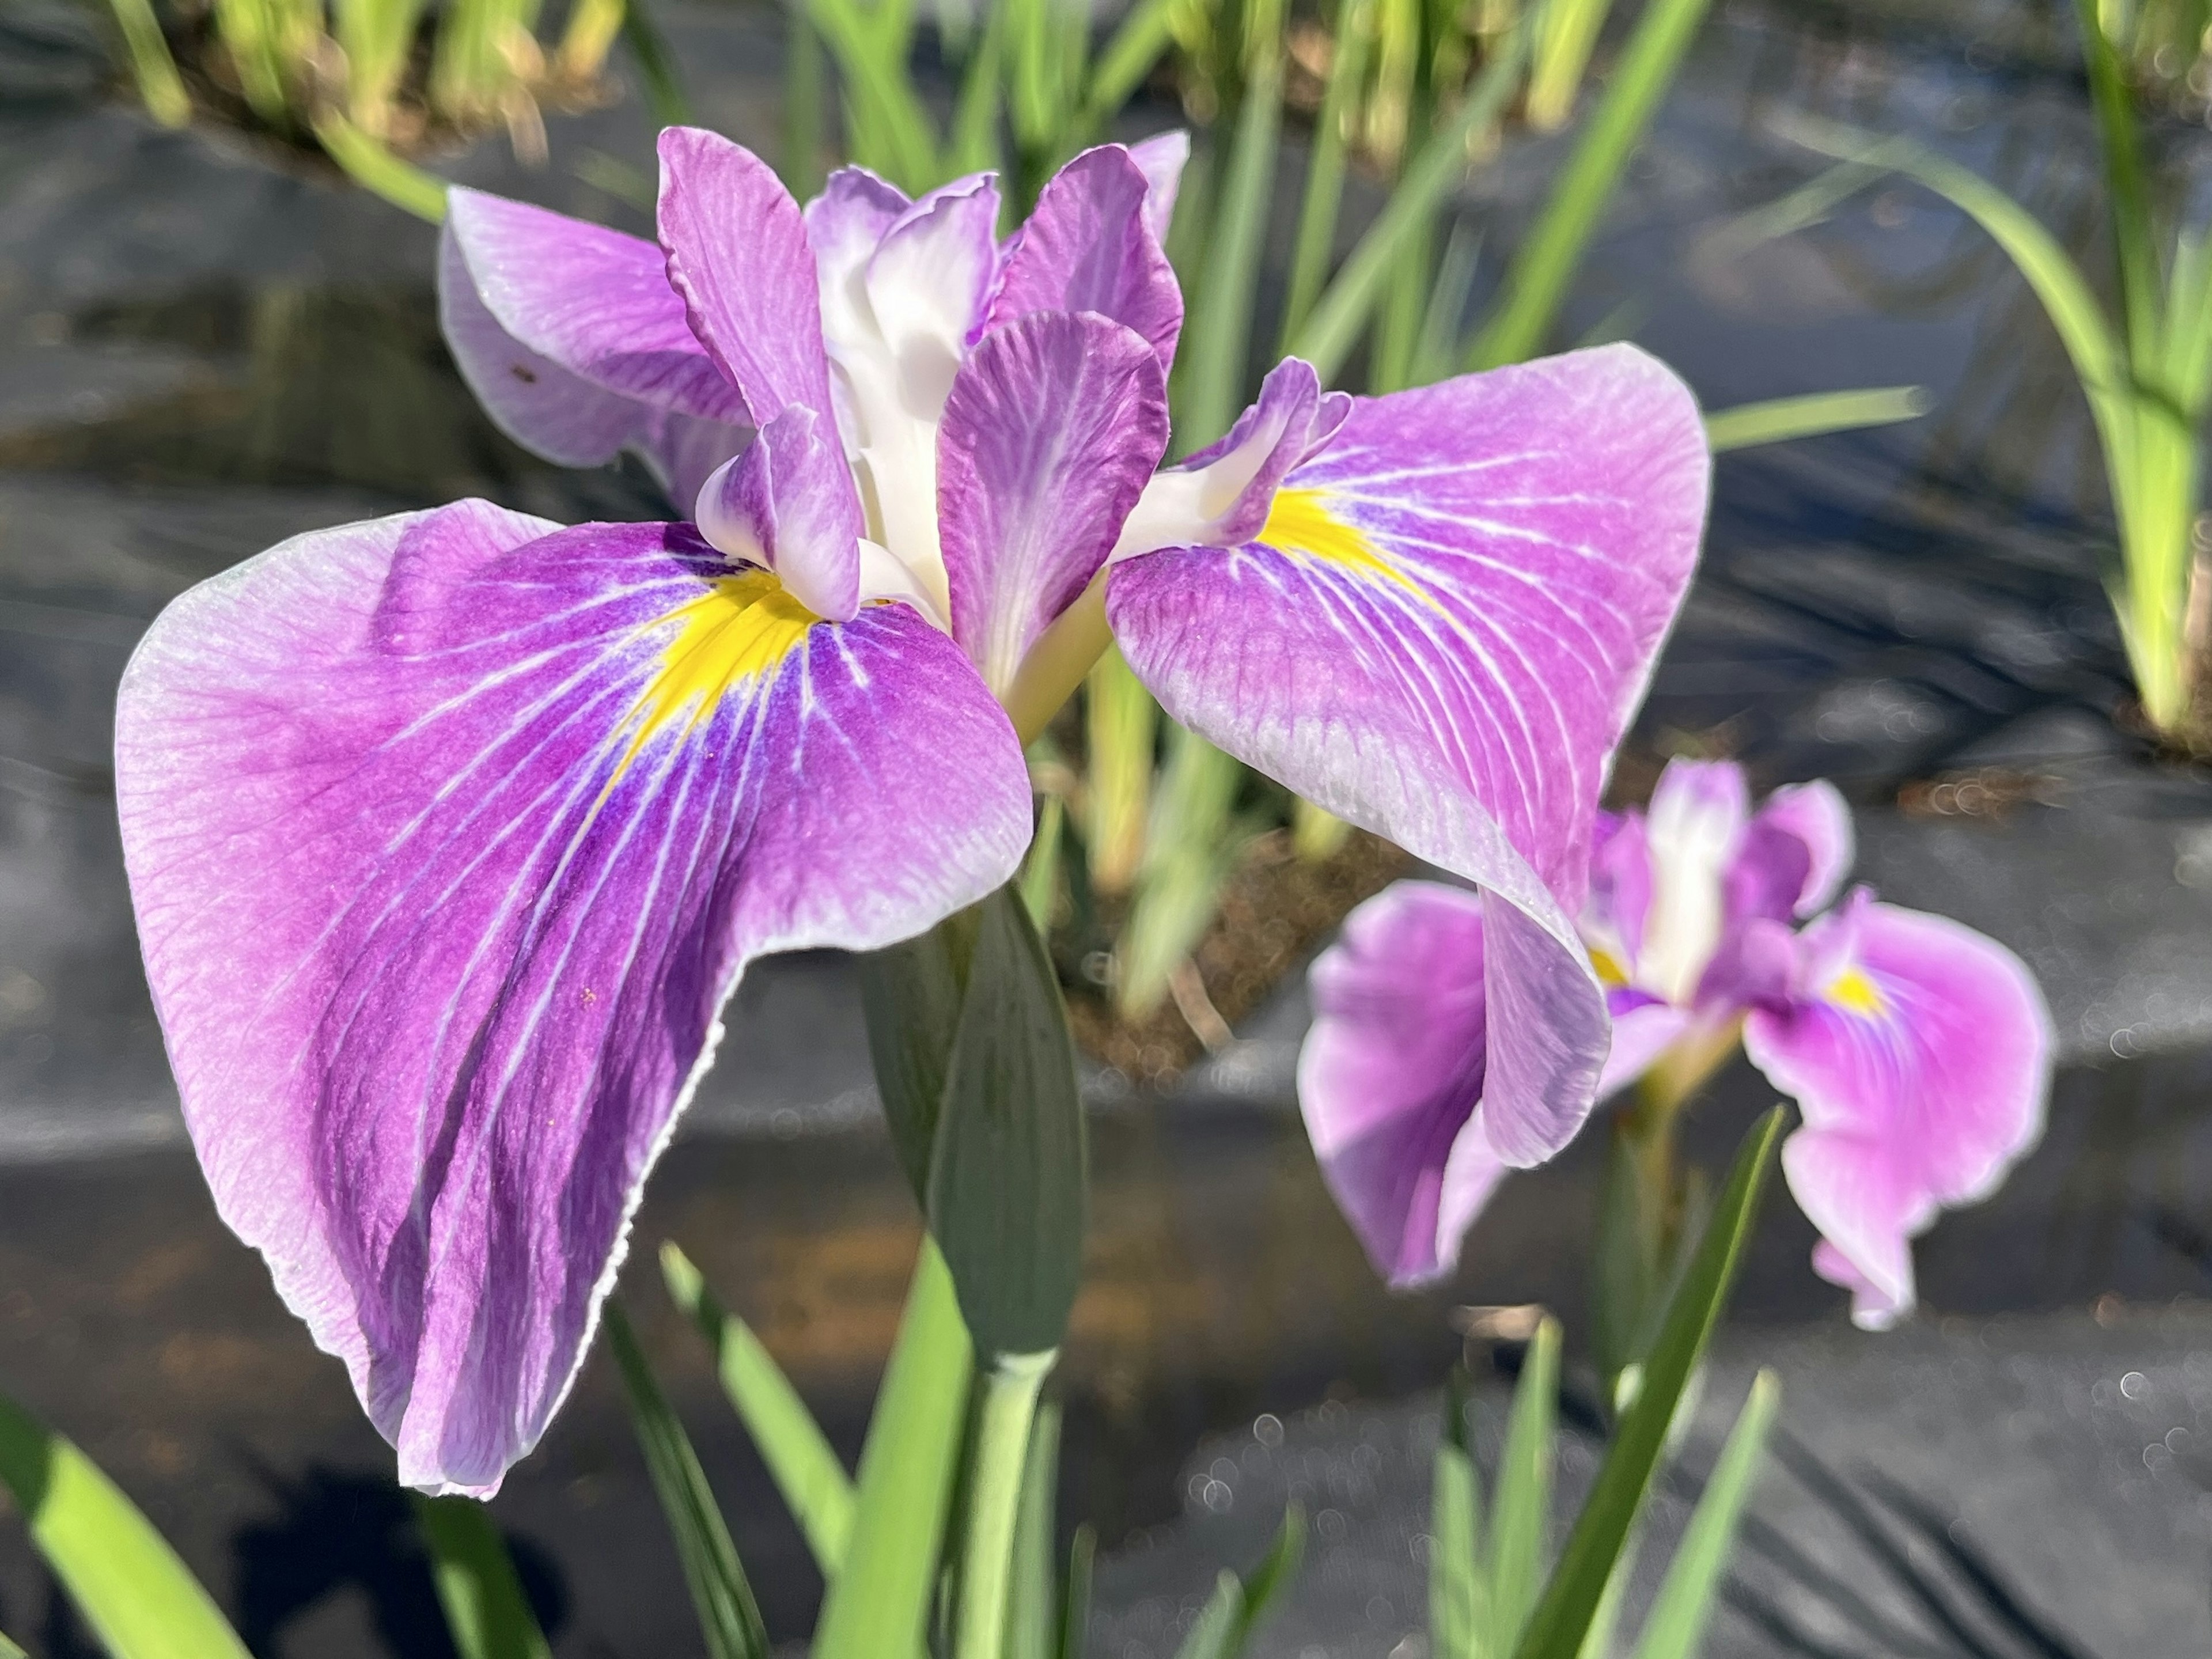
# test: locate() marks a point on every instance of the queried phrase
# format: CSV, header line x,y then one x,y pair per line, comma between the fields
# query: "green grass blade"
x,y
800,1460
1436,355
887,128
370,165
806,98
1344,307
1033,1623
1597,1640
1677,1620
586,38
2127,193
1458,1602
152,64
2067,297
1780,419
1521,1513
1236,1607
1192,846
878,1606
1537,281
656,66
1811,204
2188,357
1562,1618
1075,1603
1210,378
1571,31
140,1600
1041,869
728,1618
1139,40
9,1650
1324,193
486,1614
1212,1635
1122,726
974,137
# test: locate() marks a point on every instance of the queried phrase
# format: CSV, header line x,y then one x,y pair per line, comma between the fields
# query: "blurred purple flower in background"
x,y
1918,1050
451,834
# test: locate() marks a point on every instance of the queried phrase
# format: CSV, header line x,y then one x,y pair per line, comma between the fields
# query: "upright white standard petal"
x,y
1698,815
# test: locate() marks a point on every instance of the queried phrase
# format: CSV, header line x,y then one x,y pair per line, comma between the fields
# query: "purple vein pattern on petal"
x,y
737,254
448,839
604,395
1439,635
1390,1077
1053,427
1919,1054
1089,246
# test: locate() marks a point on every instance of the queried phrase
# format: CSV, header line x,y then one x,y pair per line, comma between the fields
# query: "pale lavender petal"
x,y
1052,428
1619,895
1438,634
609,392
1814,817
1390,1078
592,300
1644,1027
449,838
1694,827
1920,1053
1090,246
738,256
848,220
928,281
810,539
1162,159
1221,496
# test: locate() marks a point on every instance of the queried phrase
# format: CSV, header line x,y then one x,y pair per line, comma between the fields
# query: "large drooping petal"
x,y
571,337
449,836
1054,425
1439,634
1089,245
1920,1053
1391,1075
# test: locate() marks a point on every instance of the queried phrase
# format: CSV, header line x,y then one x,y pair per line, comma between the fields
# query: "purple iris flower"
x,y
451,834
1918,1051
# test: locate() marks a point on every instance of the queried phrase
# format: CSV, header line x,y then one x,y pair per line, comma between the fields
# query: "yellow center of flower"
x,y
1853,991
737,629
1300,521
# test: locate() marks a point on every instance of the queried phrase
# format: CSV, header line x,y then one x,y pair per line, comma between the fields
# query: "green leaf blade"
x,y
486,1615
805,1469
1521,1513
729,1620
139,1598
1778,420
1677,1621
1570,1600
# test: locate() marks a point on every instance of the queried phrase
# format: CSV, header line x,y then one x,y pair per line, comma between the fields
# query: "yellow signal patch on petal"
x,y
1299,521
739,628
1852,991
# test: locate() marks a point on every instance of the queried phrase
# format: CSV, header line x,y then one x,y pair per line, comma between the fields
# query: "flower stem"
x,y
1001,1451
